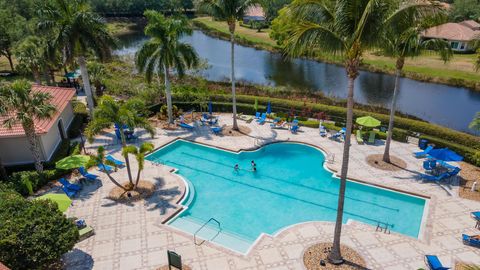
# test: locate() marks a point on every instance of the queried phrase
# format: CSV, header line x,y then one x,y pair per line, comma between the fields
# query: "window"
x,y
462,45
454,44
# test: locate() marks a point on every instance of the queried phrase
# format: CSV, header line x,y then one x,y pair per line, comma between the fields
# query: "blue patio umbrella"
x,y
445,154
269,108
210,107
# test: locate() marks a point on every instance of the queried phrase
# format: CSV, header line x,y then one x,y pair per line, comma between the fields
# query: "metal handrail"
x,y
205,224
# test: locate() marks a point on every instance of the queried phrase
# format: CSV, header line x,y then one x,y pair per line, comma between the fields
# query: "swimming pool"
x,y
290,186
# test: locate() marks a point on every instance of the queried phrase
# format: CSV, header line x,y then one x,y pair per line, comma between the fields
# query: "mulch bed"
x,y
315,254
144,190
229,131
396,164
467,176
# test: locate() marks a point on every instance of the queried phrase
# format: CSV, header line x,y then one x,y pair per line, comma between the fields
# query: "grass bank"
x,y
427,67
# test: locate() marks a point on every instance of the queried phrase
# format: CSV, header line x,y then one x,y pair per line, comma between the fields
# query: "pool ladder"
x,y
205,224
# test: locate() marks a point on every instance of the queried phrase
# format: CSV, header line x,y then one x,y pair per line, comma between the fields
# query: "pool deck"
x,y
134,236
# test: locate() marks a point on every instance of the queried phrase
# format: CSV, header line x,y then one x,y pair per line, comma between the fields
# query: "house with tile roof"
x,y
14,147
460,35
254,14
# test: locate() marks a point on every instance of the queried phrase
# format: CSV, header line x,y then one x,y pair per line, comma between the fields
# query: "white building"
x,y
14,147
460,35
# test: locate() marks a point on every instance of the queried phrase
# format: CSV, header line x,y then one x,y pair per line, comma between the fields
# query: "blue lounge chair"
x,y
217,130
455,172
434,263
87,175
186,126
70,193
103,167
206,116
294,129
471,240
427,166
257,115
69,185
435,178
423,153
262,119
323,132
476,215
114,160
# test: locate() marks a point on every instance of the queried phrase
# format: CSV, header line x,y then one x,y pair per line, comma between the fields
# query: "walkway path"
x,y
133,237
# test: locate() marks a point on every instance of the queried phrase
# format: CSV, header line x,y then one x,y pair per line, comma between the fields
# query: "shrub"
x,y
163,113
33,234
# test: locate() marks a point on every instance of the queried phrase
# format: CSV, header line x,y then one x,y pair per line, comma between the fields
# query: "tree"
x,y
402,39
139,155
229,11
164,51
345,27
34,234
30,56
281,27
272,7
98,73
100,160
121,113
12,29
77,31
20,105
475,124
465,10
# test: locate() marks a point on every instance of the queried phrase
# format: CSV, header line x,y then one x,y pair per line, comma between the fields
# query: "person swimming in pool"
x,y
254,166
236,167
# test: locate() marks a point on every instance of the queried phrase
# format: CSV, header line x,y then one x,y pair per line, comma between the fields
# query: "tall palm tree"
x,y
100,160
98,73
229,11
164,51
345,27
31,56
111,112
139,155
402,39
77,31
20,105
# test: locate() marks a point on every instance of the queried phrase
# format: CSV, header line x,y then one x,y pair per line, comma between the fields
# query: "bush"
x,y
28,182
33,234
81,117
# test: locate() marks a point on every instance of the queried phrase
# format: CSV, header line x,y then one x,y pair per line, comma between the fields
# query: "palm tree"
x,y
122,113
165,51
345,27
31,56
20,105
77,31
229,11
100,160
402,39
139,155
98,73
475,124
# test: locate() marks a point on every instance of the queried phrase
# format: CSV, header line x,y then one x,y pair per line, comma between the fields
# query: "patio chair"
x,y
471,240
434,263
278,125
475,215
186,126
257,115
455,172
262,119
69,185
105,168
371,137
70,193
427,166
433,178
87,175
294,129
423,153
114,160
217,130
359,137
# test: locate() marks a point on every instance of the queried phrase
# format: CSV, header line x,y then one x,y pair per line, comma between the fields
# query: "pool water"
x,y
290,186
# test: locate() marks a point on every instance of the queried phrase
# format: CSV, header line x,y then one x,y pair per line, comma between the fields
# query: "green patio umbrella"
x,y
255,106
72,162
61,200
368,121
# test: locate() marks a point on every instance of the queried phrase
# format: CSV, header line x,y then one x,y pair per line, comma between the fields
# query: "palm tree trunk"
x,y
138,177
3,172
386,154
115,181
29,129
10,61
232,75
168,93
127,160
86,83
335,255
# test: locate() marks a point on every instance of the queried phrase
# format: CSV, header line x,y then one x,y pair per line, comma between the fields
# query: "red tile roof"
x,y
255,11
60,99
3,267
464,31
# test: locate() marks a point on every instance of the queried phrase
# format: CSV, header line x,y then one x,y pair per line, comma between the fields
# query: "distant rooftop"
x,y
463,31
60,98
255,11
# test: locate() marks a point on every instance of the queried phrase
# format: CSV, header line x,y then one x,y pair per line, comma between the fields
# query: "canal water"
x,y
453,107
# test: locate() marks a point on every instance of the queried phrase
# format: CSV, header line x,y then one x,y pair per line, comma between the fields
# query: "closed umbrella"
x,y
61,200
368,121
210,107
72,162
445,154
255,106
269,108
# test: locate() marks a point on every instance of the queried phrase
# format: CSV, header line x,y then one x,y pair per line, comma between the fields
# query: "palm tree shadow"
x,y
162,199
